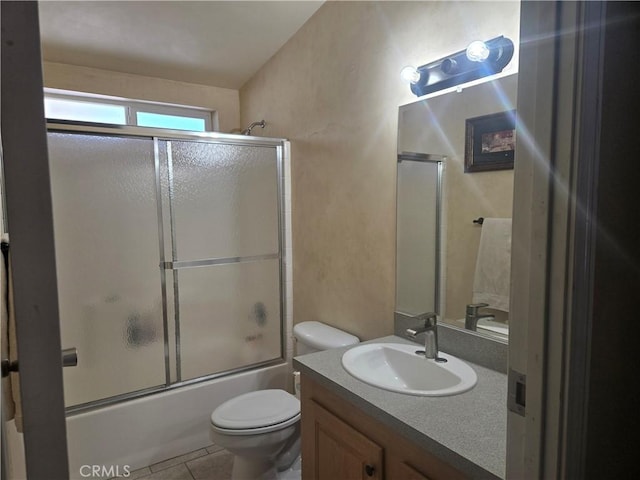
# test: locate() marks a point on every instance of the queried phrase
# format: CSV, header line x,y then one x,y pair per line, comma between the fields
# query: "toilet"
x,y
262,428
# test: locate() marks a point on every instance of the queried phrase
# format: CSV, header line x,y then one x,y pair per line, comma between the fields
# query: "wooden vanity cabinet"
x,y
340,442
340,450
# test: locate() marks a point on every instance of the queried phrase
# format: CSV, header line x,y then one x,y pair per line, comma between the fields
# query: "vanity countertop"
x,y
468,430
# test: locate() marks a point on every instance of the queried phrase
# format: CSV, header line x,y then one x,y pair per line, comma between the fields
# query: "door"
x,y
556,180
403,471
340,451
29,220
541,227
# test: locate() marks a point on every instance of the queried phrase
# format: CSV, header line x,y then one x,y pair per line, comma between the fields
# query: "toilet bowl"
x,y
262,428
259,428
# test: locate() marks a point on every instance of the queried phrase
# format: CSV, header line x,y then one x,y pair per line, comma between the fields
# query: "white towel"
x,y
10,385
7,400
491,283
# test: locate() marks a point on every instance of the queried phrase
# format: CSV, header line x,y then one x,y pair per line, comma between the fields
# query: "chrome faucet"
x,y
430,329
472,316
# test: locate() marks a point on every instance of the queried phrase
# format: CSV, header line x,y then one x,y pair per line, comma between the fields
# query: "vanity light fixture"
x,y
478,60
477,51
410,74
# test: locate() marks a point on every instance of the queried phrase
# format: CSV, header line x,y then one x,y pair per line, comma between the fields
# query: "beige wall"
x,y
437,125
224,101
334,91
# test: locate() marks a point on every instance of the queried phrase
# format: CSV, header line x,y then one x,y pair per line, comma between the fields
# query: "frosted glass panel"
x,y
416,268
229,316
106,235
225,200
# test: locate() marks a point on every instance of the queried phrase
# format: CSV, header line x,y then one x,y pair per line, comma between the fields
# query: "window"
x,y
62,109
159,120
123,112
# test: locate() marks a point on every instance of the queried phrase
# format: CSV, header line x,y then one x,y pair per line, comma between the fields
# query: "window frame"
x,y
133,107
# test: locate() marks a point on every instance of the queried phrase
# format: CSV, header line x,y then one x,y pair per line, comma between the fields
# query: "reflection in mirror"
x,y
418,239
470,275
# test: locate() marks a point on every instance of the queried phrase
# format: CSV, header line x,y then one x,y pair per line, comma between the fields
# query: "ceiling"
x,y
219,43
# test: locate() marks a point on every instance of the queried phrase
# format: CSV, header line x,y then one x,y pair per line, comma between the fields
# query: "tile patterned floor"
x,y
211,463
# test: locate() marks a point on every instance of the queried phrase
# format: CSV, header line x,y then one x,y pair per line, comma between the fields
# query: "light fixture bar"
x,y
479,60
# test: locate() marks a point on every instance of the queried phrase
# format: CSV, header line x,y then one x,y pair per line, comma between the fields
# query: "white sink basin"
x,y
396,367
493,327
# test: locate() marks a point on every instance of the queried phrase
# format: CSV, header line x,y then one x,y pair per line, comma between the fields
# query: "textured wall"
x,y
334,91
92,80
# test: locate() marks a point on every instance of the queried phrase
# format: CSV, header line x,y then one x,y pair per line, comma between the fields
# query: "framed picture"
x,y
490,142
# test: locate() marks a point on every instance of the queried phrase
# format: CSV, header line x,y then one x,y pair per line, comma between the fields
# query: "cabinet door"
x,y
403,471
338,450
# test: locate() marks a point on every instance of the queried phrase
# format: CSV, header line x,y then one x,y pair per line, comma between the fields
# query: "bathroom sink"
x,y
398,368
497,328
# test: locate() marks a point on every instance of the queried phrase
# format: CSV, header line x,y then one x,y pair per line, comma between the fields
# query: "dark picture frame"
x,y
490,142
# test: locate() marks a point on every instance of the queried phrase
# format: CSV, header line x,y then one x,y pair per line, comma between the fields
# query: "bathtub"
x,y
147,430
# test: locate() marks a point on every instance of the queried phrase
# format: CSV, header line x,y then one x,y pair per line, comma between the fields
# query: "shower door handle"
x,y
70,357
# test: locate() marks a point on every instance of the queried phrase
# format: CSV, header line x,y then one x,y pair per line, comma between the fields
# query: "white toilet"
x,y
262,428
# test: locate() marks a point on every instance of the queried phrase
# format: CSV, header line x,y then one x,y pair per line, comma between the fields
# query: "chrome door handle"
x,y
70,357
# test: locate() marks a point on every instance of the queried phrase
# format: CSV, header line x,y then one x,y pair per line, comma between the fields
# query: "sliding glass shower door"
x,y
224,203
106,237
169,257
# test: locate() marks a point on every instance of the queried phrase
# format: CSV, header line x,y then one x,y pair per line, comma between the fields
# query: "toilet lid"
x,y
256,409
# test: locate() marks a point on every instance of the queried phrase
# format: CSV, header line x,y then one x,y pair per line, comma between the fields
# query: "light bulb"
x,y
410,74
478,51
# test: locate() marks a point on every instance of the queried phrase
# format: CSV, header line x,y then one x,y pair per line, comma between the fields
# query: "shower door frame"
x,y
156,135
439,161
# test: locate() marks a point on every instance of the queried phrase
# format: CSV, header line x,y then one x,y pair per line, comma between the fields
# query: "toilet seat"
x,y
257,412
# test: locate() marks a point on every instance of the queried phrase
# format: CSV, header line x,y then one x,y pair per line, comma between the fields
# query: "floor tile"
x,y
178,472
216,466
141,472
214,448
293,473
156,467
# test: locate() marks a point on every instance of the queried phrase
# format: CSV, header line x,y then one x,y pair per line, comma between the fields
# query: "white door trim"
x,y
530,245
30,223
558,72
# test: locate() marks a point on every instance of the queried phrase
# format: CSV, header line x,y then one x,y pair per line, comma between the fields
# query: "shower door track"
x,y
165,135
162,133
105,402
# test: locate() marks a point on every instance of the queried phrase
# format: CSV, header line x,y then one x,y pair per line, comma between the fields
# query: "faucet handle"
x,y
473,308
430,318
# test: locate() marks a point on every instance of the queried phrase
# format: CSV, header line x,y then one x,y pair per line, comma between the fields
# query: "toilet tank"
x,y
316,336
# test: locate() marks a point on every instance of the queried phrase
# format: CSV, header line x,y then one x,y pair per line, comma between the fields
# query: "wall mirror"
x,y
445,263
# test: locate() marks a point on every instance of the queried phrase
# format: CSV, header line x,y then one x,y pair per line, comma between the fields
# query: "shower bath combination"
x,y
126,204
171,273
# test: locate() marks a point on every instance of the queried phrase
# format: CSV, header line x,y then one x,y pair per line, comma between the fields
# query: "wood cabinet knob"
x,y
370,470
